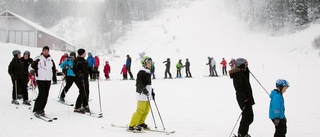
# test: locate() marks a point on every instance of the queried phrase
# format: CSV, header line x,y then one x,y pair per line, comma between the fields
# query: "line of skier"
x,y
77,70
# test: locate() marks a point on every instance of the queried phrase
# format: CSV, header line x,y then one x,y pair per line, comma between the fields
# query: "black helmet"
x,y
27,53
72,54
240,61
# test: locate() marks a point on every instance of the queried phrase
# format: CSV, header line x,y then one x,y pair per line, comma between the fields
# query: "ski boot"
x,y
26,102
133,129
62,100
39,113
79,110
15,102
144,126
86,109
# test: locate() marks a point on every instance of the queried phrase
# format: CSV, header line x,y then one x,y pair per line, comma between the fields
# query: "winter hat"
x,y
45,48
15,52
107,62
81,51
27,53
72,54
240,62
89,53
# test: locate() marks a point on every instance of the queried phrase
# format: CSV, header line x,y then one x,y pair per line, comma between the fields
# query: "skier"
x,y
124,72
143,93
167,71
107,70
91,62
70,77
231,63
43,67
16,71
224,66
81,70
276,109
241,83
128,65
179,66
26,60
152,70
96,66
213,64
62,59
187,65
210,66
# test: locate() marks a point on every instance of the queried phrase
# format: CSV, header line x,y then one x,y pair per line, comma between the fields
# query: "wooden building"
x,y
19,30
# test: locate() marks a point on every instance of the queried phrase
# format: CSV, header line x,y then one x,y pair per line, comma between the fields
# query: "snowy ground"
x,y
201,106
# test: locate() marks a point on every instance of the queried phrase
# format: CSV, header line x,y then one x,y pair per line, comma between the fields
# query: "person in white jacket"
x,y
144,93
214,71
43,67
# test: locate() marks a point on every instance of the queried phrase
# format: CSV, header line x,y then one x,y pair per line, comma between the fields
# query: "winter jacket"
x,y
213,62
97,60
81,68
124,70
68,64
187,65
276,109
63,58
107,69
209,61
143,82
15,68
91,61
242,86
26,64
128,62
167,64
224,63
179,66
44,67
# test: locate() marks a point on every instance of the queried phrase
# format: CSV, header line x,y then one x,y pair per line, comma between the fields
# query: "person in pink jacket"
x,y
107,70
224,66
124,72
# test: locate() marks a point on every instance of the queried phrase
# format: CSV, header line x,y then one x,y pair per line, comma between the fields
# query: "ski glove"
x,y
13,77
276,121
145,91
153,95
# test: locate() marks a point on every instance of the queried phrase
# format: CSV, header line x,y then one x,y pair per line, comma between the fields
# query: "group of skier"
x,y
212,66
77,70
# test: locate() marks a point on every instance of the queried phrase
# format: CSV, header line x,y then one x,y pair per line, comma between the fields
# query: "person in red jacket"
x,y
96,66
124,72
107,70
224,66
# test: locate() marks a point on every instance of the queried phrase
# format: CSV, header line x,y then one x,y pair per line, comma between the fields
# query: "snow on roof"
x,y
34,25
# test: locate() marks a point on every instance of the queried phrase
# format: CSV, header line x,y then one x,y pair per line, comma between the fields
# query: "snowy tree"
x,y
3,5
300,11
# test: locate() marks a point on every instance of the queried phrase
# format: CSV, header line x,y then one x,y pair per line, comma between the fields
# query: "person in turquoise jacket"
x,y
70,78
276,109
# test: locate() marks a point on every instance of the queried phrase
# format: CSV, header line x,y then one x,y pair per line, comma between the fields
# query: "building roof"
x,y
32,24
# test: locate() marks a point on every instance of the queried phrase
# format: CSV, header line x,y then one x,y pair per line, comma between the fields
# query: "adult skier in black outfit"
x,y
167,68
15,70
187,65
81,70
241,83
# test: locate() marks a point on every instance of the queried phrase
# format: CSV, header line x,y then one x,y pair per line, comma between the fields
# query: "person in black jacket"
x,y
187,65
81,70
241,83
15,70
26,60
167,71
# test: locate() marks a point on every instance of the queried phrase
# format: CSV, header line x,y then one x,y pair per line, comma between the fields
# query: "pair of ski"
x,y
45,118
144,131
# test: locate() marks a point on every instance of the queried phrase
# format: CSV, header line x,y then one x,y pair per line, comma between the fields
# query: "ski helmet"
x,y
15,52
145,59
27,53
282,83
239,61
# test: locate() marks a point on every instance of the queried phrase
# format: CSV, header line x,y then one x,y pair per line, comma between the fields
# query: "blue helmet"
x,y
282,83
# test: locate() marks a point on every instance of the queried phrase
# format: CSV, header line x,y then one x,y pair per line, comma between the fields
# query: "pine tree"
x,y
300,9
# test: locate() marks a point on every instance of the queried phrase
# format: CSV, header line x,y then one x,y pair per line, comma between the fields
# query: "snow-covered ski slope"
x,y
201,106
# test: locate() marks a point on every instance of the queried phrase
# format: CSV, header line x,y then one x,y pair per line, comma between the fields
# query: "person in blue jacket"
x,y
276,109
70,78
128,65
91,62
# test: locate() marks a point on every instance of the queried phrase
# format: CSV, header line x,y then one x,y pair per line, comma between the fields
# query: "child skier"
x,y
143,92
276,109
124,72
70,77
107,70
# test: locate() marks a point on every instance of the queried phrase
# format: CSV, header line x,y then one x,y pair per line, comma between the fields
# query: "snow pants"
x,y
70,80
41,101
246,120
83,97
138,117
281,128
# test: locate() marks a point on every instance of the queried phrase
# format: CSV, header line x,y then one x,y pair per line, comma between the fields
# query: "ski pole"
x,y
236,122
259,83
16,91
154,121
33,88
159,113
99,94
